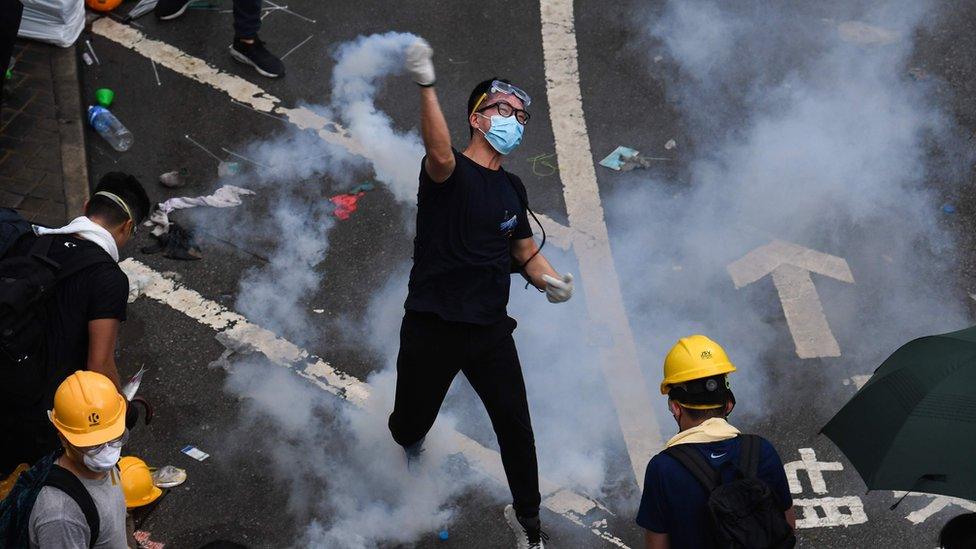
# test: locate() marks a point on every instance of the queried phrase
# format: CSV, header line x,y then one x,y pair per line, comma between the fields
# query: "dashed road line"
x,y
591,242
238,333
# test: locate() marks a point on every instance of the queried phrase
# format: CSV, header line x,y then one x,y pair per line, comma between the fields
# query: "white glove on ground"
x,y
557,290
419,62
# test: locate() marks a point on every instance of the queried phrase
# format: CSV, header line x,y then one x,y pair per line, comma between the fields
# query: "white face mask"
x,y
104,459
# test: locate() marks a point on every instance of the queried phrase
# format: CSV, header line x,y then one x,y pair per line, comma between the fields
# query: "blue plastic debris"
x,y
616,159
442,535
948,208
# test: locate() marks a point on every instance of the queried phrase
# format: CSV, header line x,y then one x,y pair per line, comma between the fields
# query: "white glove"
x,y
419,63
557,290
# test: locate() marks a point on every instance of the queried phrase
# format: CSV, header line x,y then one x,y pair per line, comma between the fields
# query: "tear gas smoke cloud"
x,y
796,134
801,130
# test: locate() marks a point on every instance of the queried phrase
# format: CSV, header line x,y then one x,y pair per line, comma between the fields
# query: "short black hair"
x,y
126,187
959,532
482,88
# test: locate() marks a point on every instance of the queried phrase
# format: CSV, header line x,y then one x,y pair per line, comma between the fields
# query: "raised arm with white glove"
x,y
420,62
558,291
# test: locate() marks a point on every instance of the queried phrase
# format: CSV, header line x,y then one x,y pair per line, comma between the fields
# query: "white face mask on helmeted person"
x,y
102,460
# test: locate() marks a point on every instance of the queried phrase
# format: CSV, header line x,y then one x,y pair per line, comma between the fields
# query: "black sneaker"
x,y
171,9
258,57
528,531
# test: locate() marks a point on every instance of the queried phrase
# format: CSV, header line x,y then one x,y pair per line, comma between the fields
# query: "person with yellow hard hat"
x,y
83,491
710,471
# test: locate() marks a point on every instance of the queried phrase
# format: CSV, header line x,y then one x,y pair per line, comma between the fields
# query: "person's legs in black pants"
x,y
430,356
247,18
247,47
11,12
494,371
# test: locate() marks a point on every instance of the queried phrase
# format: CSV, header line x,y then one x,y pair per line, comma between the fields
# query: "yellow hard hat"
x,y
694,357
137,482
88,410
103,5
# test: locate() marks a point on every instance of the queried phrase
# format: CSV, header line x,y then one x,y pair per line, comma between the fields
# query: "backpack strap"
x,y
64,480
749,455
696,464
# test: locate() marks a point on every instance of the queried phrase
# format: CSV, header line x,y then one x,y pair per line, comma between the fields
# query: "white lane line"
x,y
598,276
239,89
237,333
791,265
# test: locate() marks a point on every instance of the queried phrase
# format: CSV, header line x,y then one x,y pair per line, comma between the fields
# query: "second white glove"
x,y
558,291
420,62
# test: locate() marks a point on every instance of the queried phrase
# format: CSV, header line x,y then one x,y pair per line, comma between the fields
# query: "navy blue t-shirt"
x,y
462,252
675,503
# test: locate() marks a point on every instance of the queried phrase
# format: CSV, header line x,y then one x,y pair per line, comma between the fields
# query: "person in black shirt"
x,y
471,229
82,317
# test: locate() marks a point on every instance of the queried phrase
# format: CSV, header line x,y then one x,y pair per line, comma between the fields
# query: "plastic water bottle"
x,y
110,128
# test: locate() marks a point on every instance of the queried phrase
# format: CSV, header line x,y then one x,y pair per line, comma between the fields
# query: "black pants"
x,y
247,18
10,14
432,352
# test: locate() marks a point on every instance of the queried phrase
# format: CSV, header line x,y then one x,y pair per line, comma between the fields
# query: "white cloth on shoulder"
x,y
87,229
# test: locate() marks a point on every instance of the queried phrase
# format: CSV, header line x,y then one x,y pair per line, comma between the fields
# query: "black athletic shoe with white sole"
x,y
528,531
171,9
257,56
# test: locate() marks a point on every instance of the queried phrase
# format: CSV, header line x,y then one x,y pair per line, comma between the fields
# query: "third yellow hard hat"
x,y
137,482
88,409
694,357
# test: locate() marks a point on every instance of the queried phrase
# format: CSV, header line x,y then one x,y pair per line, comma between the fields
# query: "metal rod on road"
x,y
204,149
300,44
244,158
286,10
156,72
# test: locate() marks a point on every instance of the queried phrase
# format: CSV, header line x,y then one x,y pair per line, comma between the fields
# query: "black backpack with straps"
x,y
26,283
16,508
743,513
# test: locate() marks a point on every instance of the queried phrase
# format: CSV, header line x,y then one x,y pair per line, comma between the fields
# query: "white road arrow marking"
x,y
237,332
791,266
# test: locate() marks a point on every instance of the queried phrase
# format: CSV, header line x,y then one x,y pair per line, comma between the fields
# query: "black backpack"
x,y
15,509
743,513
26,282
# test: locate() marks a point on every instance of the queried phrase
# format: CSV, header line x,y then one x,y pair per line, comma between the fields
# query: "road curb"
x,y
74,162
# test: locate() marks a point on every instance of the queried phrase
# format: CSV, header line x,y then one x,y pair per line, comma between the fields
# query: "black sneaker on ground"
x,y
171,9
528,531
256,55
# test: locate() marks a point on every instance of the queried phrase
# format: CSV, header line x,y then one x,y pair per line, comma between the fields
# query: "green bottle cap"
x,y
104,96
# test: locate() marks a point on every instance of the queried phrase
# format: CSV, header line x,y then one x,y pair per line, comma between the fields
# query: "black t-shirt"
x,y
461,254
97,292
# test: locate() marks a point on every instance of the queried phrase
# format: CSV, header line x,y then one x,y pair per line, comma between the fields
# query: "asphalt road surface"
x,y
250,489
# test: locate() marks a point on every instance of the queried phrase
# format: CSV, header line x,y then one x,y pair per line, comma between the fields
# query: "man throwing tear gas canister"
x,y
472,232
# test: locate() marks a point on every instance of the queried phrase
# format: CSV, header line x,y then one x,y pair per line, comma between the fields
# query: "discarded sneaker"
x,y
256,55
171,9
528,531
168,476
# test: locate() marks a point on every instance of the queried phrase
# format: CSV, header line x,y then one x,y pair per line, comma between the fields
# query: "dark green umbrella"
x,y
912,427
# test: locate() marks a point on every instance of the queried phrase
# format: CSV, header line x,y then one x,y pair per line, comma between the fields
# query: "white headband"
x,y
121,203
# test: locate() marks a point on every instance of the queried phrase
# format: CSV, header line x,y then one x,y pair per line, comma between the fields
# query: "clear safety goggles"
x,y
117,443
497,86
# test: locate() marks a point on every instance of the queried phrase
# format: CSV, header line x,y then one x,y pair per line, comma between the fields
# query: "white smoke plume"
x,y
802,128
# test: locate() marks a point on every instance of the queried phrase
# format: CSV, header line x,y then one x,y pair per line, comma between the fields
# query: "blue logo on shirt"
x,y
506,227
